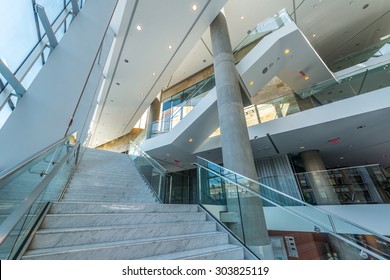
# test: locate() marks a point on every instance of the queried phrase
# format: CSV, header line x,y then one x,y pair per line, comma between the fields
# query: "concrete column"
x,y
236,148
322,187
154,115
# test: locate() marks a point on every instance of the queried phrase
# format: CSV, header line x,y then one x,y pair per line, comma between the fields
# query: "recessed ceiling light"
x,y
242,17
142,93
168,155
350,3
350,146
139,27
194,7
154,74
341,157
301,147
251,83
286,51
306,78
315,6
170,46
314,35
360,127
190,140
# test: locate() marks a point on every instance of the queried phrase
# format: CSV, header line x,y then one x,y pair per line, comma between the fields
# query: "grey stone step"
x,y
85,220
108,191
91,208
113,200
221,252
148,197
48,238
130,249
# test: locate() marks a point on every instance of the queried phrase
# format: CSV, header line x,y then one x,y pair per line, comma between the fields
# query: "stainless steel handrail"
x,y
315,222
149,158
12,220
8,172
293,198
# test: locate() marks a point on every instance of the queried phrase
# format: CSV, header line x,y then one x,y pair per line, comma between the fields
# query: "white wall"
x,y
43,114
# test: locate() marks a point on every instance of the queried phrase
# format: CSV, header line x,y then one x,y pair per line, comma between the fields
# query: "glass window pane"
x,y
53,8
18,34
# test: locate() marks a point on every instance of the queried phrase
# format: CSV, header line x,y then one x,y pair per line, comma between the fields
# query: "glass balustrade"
x,y
154,174
226,195
27,190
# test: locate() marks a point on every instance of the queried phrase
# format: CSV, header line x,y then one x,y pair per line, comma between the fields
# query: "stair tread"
x,y
97,246
195,252
113,227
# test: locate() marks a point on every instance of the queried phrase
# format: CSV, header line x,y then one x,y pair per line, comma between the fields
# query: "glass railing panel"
x,y
154,174
263,29
353,185
348,240
374,51
360,81
18,187
220,198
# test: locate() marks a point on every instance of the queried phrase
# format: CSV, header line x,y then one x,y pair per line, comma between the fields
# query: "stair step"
x,y
108,191
105,197
130,249
84,220
90,208
221,252
48,238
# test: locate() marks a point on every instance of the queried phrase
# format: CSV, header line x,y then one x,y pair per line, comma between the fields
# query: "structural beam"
x,y
7,74
75,7
47,26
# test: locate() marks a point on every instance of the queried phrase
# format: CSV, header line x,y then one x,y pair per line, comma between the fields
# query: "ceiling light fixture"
x,y
170,46
314,35
286,51
154,74
139,27
190,140
306,78
194,7
242,17
251,83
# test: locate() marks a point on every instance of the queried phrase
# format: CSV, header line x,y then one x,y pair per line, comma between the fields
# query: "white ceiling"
x,y
165,22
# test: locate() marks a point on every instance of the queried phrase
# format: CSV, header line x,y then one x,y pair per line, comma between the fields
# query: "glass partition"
x,y
353,185
226,195
26,192
263,29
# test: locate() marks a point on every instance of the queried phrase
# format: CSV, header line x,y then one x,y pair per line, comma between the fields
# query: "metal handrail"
x,y
149,159
12,220
13,169
290,197
291,211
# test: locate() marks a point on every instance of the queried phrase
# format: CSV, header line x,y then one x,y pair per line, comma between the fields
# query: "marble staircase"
x,y
109,212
